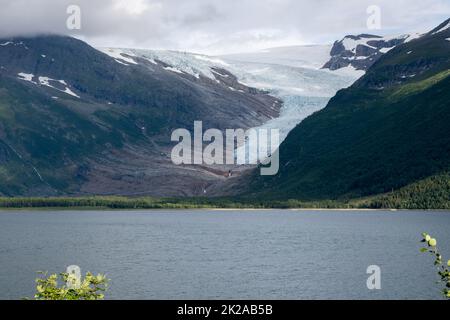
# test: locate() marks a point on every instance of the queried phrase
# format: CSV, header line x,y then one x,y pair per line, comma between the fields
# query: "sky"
x,y
217,26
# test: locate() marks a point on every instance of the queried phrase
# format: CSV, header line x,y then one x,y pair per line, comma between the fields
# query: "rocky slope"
x,y
75,120
362,51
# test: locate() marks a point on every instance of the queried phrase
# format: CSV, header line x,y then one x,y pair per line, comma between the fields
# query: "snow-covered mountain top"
x,y
310,57
295,68
376,42
351,42
361,51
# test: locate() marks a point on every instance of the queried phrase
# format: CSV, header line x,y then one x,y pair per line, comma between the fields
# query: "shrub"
x,y
90,288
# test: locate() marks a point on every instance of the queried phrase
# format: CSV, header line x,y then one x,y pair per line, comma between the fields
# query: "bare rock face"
x,y
361,51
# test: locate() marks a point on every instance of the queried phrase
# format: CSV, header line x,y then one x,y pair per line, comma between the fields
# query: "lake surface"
x,y
234,254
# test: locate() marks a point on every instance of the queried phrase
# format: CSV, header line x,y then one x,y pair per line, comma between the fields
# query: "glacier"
x,y
291,74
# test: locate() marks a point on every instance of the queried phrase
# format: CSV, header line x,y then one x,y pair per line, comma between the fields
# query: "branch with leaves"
x,y
442,269
90,288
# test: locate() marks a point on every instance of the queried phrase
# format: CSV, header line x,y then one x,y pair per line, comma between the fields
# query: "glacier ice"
x,y
291,74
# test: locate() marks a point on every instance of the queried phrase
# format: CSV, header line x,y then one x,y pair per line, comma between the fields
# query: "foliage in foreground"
x,y
443,270
90,288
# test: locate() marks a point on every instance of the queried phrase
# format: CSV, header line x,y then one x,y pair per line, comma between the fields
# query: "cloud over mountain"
x,y
215,26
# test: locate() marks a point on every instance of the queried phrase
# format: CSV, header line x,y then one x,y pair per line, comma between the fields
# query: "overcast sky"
x,y
217,26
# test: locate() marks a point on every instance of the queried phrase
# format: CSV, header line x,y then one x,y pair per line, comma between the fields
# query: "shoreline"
x,y
213,209
112,203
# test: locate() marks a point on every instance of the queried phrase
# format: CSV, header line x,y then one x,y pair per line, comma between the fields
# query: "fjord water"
x,y
200,254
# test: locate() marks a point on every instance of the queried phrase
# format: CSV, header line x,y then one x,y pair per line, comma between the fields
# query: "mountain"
x,y
74,120
389,130
362,51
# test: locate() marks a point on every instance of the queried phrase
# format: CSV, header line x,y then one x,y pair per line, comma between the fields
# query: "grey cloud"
x,y
216,26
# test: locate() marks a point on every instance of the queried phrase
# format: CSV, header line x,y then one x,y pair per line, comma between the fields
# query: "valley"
x,y
101,125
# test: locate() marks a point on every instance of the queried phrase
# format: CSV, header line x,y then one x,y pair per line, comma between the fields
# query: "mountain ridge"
x,y
74,120
391,128
363,50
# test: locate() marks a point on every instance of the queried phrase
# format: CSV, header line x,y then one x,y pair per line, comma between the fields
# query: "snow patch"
x,y
151,60
26,76
385,50
351,44
7,43
118,55
118,61
220,74
173,70
413,36
443,28
70,92
180,62
45,81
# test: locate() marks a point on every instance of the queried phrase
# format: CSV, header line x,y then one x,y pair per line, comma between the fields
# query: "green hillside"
x,y
389,130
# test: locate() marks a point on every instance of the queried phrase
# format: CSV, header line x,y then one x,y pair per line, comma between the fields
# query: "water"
x,y
226,254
